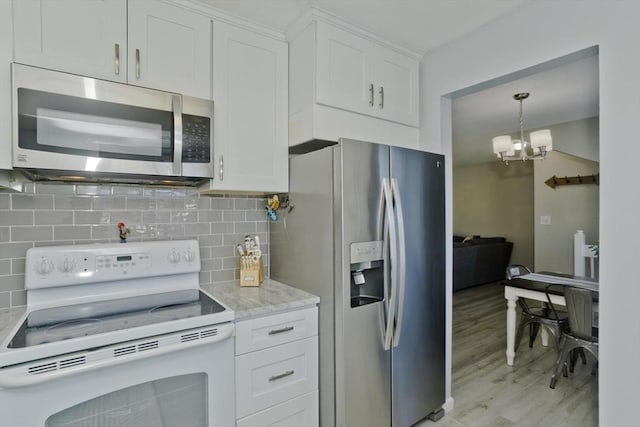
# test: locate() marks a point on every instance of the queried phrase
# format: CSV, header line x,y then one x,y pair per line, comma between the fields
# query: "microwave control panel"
x,y
196,139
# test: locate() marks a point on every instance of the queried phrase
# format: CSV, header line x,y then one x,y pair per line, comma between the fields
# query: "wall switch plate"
x,y
545,220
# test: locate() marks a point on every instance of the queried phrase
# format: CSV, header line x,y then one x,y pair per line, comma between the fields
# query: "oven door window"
x,y
179,401
91,128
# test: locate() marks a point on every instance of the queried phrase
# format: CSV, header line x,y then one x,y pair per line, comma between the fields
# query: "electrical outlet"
x,y
545,220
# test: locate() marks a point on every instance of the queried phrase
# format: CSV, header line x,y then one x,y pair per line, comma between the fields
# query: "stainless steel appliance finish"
x,y
74,128
367,236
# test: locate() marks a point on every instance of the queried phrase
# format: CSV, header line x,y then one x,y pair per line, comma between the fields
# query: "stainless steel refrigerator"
x,y
366,234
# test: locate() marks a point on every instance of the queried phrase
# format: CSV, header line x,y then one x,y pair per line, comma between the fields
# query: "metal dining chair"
x,y
554,321
582,333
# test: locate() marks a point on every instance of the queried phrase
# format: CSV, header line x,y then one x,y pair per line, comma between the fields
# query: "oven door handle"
x,y
19,376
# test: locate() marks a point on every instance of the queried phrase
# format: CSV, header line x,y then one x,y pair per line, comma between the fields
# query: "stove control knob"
x,y
174,257
67,265
44,267
189,255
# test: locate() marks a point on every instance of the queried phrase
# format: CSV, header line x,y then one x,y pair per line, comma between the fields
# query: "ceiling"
x,y
559,93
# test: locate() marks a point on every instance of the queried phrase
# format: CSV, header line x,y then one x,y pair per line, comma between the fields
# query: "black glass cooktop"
x,y
63,323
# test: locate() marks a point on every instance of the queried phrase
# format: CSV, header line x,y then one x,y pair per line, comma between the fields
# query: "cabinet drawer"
x,y
298,412
264,332
267,377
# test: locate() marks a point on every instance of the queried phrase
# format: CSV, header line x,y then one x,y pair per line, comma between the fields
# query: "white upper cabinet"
x,y
169,48
250,89
360,75
345,66
86,37
6,56
147,43
345,82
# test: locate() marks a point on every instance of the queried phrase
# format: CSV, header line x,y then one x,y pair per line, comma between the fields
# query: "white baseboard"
x,y
448,405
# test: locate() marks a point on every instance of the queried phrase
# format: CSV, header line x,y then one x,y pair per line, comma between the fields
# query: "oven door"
x,y
66,122
185,379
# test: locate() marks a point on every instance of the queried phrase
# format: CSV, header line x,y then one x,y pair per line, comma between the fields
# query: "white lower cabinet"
x,y
298,412
277,370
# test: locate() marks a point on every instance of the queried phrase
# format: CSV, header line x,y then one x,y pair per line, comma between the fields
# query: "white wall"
x,y
536,33
493,199
570,208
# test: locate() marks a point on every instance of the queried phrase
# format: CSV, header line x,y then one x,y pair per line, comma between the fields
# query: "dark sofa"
x,y
479,260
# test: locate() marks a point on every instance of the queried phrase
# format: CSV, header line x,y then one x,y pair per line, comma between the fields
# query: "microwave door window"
x,y
75,132
88,127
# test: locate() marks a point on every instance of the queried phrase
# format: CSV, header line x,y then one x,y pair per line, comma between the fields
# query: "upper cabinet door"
x,y
250,89
169,48
397,87
344,64
86,37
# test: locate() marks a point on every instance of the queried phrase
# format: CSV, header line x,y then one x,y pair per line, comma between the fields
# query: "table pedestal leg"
x,y
544,336
511,328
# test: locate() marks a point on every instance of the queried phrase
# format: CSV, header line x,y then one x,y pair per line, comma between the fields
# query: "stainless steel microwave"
x,y
73,128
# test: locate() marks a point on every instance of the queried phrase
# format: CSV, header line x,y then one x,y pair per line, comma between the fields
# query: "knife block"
x,y
251,274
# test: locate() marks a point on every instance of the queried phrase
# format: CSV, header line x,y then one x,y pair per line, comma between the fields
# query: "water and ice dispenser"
x,y
367,273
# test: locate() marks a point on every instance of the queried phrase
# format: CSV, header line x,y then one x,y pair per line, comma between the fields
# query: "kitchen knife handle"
x,y
371,94
281,330
137,63
282,375
117,59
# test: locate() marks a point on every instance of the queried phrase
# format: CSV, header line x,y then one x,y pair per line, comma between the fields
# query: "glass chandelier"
x,y
518,149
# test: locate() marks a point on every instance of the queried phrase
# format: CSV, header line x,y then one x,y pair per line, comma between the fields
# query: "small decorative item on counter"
x,y
123,231
251,270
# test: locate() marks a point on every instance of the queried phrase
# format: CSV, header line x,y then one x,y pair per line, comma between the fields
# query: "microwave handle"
x,y
177,135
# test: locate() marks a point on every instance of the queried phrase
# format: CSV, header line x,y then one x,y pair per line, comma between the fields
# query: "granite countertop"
x,y
9,318
270,297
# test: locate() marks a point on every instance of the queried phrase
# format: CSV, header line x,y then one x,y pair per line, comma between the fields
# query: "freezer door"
x,y
363,387
418,383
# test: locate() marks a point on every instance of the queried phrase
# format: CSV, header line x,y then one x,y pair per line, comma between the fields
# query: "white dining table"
x,y
531,286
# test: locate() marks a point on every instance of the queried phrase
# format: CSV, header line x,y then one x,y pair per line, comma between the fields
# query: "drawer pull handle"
x,y
283,375
279,331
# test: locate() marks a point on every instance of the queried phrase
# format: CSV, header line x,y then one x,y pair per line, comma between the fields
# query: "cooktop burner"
x,y
36,333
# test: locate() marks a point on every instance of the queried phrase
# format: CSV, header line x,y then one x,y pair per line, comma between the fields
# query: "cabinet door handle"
x,y
137,63
117,60
281,330
371,94
282,375
381,92
221,171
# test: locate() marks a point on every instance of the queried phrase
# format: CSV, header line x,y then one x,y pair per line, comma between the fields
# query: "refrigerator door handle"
x,y
390,229
402,265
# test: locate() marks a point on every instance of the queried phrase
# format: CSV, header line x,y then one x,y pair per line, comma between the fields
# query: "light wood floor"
x,y
489,393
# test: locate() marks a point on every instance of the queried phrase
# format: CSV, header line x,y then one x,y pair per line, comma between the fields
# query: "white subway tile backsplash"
x,y
66,214
14,250
72,202
11,283
29,201
47,217
21,233
17,266
5,267
5,201
10,217
72,232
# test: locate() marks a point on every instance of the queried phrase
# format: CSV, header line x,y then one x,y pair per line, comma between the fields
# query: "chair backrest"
x,y
580,309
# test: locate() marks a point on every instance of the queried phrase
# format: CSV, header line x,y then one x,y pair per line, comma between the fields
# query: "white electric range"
x,y
118,334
